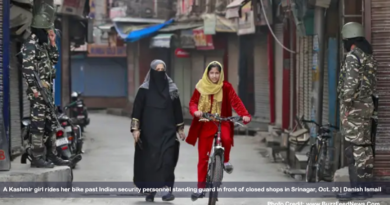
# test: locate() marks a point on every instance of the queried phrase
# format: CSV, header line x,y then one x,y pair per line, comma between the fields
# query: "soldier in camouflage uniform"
x,y
40,54
357,85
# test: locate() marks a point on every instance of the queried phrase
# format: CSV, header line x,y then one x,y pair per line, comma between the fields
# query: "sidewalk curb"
x,y
24,173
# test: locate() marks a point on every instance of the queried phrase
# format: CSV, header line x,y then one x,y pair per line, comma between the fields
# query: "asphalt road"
x,y
109,150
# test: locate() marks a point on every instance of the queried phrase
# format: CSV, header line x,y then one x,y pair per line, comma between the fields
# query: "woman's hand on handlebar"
x,y
198,114
246,119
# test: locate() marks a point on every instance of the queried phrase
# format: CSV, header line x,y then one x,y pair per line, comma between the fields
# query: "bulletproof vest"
x,y
368,70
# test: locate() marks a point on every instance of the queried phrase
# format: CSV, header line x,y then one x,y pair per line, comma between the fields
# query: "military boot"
x,y
37,159
57,160
355,183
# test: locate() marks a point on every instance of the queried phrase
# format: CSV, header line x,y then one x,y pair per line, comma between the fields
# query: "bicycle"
x,y
216,157
318,152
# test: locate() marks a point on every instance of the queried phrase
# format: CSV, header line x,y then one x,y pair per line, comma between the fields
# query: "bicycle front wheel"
x,y
216,179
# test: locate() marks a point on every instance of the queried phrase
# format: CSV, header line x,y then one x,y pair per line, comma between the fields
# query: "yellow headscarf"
x,y
207,88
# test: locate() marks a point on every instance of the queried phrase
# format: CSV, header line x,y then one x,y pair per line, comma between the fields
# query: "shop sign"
x,y
187,39
180,53
92,9
70,7
202,41
106,51
246,24
117,12
210,23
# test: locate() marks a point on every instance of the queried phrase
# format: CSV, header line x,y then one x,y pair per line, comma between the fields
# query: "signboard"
x,y
210,23
117,12
70,7
161,41
187,39
202,41
106,51
246,24
92,9
180,53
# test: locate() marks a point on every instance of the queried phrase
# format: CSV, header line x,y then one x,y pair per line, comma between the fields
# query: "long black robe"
x,y
156,157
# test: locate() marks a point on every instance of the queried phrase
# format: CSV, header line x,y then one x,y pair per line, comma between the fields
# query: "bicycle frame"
x,y
217,149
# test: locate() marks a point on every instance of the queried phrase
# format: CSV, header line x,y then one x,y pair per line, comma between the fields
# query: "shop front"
x,y
379,32
101,76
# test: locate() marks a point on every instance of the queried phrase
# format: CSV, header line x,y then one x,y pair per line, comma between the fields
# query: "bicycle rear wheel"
x,y
310,168
216,179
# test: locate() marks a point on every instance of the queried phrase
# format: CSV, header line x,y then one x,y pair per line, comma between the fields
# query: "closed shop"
x,y
233,60
304,81
181,76
381,46
325,98
15,112
197,67
278,29
103,81
262,103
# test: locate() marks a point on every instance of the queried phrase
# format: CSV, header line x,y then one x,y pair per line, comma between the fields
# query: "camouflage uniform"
x,y
357,84
39,58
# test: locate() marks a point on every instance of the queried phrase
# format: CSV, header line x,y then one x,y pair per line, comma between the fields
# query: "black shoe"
x,y
58,161
39,162
168,197
196,195
74,160
150,197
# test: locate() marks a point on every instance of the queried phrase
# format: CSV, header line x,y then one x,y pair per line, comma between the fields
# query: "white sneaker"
x,y
228,167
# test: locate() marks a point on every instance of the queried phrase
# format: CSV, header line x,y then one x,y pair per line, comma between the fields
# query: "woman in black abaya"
x,y
156,118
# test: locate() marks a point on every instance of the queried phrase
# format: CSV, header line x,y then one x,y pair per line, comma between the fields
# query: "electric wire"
x,y
272,32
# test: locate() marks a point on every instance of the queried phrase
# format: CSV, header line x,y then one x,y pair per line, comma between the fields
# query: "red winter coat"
x,y
229,100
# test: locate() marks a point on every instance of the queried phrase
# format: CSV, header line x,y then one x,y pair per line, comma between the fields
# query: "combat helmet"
x,y
352,30
43,14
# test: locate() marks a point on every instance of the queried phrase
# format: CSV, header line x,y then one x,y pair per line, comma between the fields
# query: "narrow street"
x,y
109,157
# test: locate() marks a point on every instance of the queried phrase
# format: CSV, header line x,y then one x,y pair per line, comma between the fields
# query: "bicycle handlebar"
x,y
218,118
318,125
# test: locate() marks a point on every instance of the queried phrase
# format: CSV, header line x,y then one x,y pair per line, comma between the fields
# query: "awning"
x,y
106,27
233,9
235,3
225,25
180,26
133,32
162,40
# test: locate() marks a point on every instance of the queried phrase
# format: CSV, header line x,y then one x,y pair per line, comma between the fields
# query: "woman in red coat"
x,y
213,95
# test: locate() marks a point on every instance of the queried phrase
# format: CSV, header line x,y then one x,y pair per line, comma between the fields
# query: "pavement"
x,y
109,152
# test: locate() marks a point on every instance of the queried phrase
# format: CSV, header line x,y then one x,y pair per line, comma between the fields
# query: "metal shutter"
x,y
278,75
325,98
308,73
197,68
15,131
1,66
262,103
381,46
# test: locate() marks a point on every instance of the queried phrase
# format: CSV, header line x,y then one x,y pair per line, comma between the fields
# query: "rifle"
x,y
374,120
46,97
